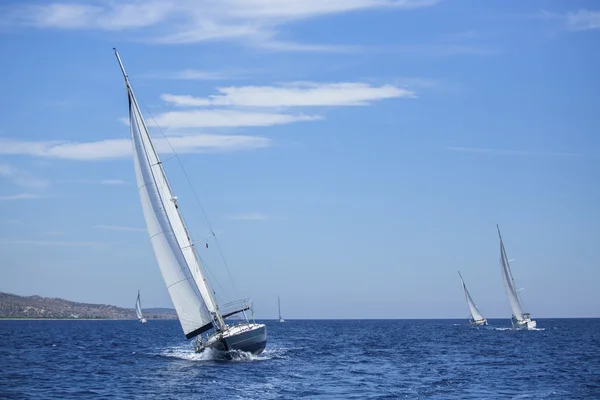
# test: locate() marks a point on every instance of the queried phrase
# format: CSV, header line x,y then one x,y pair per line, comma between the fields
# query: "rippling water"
x,y
441,359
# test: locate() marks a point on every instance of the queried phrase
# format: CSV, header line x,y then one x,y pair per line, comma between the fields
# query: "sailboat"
x,y
279,306
476,317
520,319
138,310
176,254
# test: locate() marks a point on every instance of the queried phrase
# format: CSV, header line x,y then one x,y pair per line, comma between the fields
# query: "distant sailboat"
x,y
476,317
520,319
176,254
279,306
138,310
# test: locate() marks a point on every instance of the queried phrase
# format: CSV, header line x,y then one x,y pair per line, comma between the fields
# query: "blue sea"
x,y
318,359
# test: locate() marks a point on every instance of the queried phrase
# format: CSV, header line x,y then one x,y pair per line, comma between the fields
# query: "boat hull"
x,y
480,322
250,338
524,324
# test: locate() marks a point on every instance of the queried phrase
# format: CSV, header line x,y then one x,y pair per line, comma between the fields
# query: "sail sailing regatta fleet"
x,y
192,296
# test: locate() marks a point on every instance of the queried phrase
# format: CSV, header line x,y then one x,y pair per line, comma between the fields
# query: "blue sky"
x,y
351,155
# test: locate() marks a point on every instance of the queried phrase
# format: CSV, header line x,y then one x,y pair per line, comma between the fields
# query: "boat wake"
x,y
511,329
187,353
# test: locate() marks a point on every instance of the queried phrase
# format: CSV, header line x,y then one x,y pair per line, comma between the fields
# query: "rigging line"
x,y
197,200
213,276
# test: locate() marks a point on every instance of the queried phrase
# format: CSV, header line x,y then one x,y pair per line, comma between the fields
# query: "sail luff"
x,y
279,306
191,308
138,307
509,282
475,314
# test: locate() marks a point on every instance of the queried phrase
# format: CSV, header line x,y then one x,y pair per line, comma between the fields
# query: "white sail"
x,y
475,314
138,307
509,282
172,248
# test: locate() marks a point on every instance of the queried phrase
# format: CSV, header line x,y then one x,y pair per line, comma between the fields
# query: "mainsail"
x,y
138,307
173,249
509,282
279,306
472,307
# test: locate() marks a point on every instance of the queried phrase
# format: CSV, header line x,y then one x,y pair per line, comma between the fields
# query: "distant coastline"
x,y
15,307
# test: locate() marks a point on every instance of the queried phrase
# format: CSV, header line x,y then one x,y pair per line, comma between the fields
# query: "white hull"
x,y
247,337
143,320
480,322
525,324
281,320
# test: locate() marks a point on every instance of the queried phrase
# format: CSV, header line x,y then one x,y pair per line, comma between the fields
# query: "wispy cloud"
x,y
247,217
226,118
120,228
505,152
94,182
53,243
294,94
583,20
20,196
252,22
194,75
21,177
119,148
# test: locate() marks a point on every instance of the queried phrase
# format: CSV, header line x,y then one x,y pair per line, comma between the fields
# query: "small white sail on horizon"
x,y
279,307
138,310
476,316
176,255
520,319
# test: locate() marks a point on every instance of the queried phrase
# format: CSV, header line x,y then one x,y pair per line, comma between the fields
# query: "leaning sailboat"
x,y
279,307
175,253
138,310
520,319
476,317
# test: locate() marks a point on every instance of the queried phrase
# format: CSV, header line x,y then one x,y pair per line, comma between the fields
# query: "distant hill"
x,y
14,306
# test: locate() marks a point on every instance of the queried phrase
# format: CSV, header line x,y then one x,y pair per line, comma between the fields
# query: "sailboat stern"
x,y
247,337
479,322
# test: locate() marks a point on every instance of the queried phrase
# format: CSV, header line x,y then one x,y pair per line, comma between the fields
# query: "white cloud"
x,y
21,196
193,74
21,178
512,152
120,228
53,243
247,217
254,22
226,118
94,182
294,94
120,148
583,20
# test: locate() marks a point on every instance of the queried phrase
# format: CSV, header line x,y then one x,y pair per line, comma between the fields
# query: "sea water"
x,y
319,359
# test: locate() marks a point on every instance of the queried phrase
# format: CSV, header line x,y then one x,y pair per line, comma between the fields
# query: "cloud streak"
x,y
583,20
120,228
20,196
295,94
480,150
21,178
252,22
121,148
53,243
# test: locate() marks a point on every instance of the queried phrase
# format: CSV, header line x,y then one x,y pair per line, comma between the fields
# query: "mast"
x,y
173,248
509,282
279,306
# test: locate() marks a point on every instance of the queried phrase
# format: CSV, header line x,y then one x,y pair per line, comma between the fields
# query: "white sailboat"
x,y
176,254
138,310
476,317
520,319
279,306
